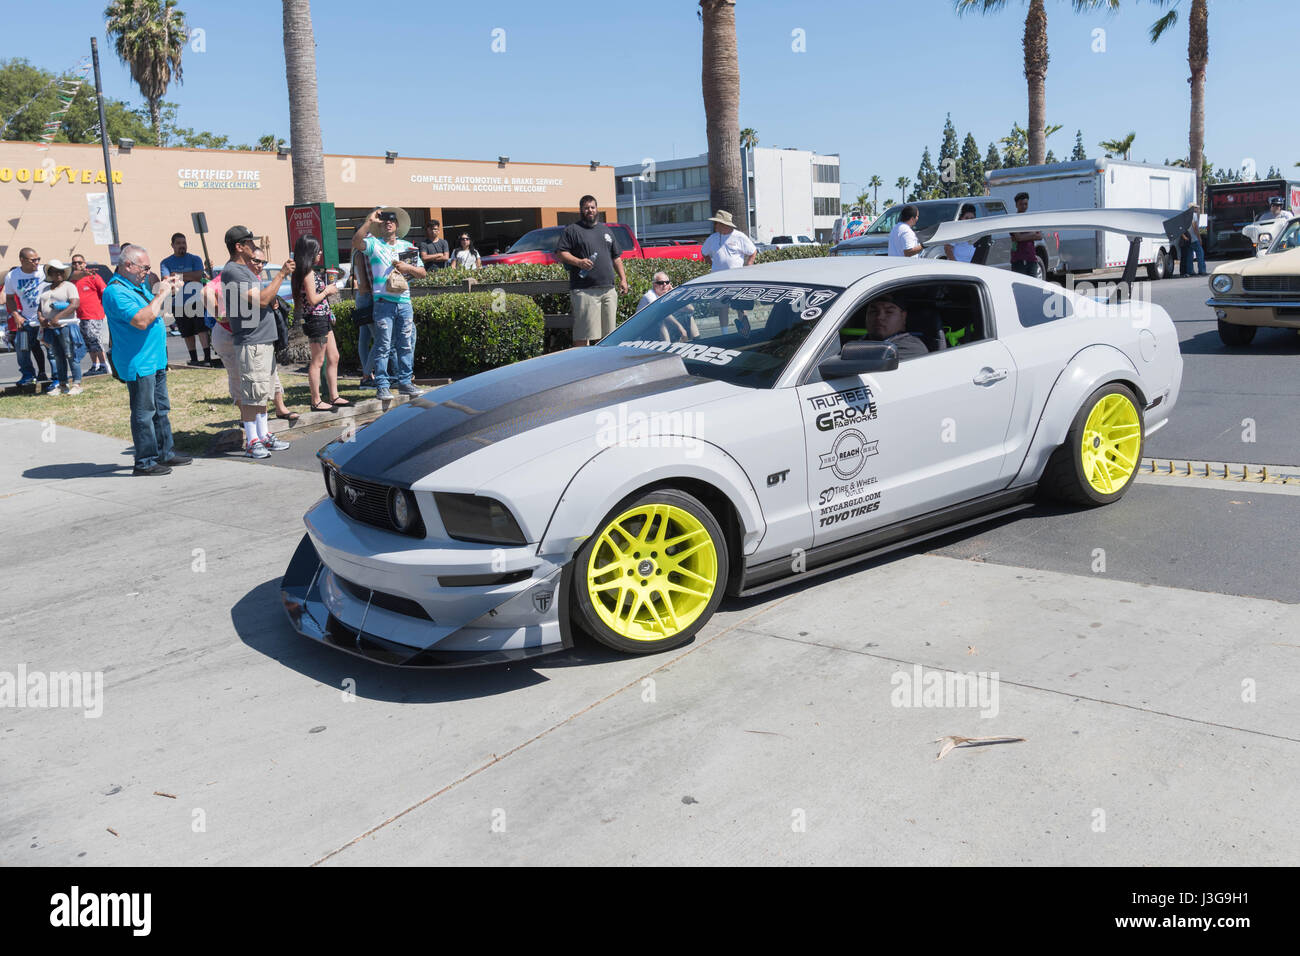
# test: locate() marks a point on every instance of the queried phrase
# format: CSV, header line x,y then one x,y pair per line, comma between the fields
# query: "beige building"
x,y
43,195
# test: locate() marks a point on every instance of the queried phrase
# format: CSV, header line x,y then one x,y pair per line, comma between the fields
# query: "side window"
x,y
623,235
942,315
992,209
1036,305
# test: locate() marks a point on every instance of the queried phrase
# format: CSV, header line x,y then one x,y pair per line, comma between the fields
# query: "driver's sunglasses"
x,y
663,281
259,262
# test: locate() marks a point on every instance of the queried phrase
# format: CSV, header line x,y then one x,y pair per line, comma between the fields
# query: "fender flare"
x,y
609,477
1089,369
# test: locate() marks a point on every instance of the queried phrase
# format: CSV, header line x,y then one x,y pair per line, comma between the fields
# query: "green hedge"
x,y
459,333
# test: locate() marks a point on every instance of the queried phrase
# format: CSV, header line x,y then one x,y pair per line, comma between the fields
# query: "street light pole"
x,y
103,140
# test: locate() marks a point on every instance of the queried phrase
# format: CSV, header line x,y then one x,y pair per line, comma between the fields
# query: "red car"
x,y
538,246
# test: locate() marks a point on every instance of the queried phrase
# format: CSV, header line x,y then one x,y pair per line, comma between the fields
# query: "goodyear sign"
x,y
50,173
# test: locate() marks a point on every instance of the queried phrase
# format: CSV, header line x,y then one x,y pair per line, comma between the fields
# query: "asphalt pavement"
x,y
1146,652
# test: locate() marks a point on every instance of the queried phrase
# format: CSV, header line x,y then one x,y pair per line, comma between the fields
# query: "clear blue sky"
x,y
619,81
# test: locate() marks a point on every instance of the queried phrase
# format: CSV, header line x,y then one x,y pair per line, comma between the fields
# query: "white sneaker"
x,y
72,390
255,449
275,444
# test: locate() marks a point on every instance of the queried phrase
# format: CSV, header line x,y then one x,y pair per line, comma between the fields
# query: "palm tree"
x,y
748,138
1035,46
268,143
863,202
720,82
901,185
875,182
1198,54
149,37
1118,145
304,118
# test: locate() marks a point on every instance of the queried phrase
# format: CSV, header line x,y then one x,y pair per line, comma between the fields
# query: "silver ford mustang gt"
x,y
749,428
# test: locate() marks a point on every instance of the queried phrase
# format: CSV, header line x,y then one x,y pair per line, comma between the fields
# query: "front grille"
x,y
389,602
364,500
1277,284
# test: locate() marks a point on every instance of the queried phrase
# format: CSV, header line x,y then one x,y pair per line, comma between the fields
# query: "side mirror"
x,y
860,358
1261,247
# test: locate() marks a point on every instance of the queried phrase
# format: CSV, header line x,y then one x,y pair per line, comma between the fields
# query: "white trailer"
x,y
1101,184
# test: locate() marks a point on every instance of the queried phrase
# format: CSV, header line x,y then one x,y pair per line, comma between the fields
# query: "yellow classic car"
x,y
1264,290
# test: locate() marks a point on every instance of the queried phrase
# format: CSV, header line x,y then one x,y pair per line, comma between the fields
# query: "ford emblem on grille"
x,y
352,494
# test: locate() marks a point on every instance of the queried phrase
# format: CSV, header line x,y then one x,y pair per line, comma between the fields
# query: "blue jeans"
x,y
1194,249
394,334
68,348
151,430
24,339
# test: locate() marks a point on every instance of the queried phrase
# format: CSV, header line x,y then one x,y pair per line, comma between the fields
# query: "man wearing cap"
x,y
253,331
591,251
1191,245
727,248
140,358
392,260
887,322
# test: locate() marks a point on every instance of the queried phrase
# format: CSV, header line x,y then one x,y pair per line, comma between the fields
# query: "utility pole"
x,y
103,140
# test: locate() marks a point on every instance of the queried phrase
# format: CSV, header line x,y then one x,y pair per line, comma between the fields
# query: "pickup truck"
x,y
538,246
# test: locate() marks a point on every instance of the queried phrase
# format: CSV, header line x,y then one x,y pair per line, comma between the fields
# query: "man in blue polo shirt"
x,y
139,357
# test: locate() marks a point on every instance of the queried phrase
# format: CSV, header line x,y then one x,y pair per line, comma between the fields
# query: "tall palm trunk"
x,y
1198,54
155,111
720,82
1036,73
304,119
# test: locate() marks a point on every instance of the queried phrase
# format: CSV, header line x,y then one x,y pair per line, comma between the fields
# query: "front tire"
x,y
1102,450
1236,336
652,574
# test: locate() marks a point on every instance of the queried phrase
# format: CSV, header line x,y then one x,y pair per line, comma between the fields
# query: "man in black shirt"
x,y
590,250
433,250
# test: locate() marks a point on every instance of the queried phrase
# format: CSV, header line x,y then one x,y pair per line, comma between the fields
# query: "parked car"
x,y
781,242
1266,227
739,433
1246,294
539,245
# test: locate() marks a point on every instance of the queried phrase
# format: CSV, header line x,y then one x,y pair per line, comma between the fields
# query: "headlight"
x,y
330,488
1221,283
401,505
476,518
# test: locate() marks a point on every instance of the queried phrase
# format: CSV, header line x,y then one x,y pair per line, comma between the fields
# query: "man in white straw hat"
x,y
727,248
392,261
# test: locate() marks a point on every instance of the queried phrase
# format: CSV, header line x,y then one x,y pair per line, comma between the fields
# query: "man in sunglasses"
x,y
22,291
252,327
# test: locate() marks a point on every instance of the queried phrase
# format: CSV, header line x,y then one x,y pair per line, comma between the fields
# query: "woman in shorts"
x,y
311,304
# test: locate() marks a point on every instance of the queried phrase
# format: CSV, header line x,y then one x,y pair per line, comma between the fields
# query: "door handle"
x,y
987,376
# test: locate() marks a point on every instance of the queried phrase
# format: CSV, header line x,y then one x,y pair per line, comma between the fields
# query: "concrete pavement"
x,y
1160,721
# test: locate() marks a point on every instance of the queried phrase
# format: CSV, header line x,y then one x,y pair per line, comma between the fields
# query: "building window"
x,y
670,213
825,173
826,206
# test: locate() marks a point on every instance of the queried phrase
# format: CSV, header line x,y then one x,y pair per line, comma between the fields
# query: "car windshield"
x,y
743,333
539,240
930,215
776,239
1290,238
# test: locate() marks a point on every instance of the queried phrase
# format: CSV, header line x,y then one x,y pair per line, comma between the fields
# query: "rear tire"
x,y
652,574
1102,450
1236,336
1160,268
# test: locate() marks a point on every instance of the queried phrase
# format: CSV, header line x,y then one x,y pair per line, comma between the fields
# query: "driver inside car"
x,y
887,322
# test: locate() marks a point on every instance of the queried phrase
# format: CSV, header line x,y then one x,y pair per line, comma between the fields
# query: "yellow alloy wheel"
x,y
1112,442
652,572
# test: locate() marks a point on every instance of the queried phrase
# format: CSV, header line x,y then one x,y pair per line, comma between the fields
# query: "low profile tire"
x,y
1102,451
652,574
1236,336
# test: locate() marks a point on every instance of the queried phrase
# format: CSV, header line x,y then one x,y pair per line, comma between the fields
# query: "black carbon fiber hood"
x,y
409,442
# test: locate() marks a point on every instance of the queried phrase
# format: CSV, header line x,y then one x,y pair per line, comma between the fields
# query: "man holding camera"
x,y
392,261
135,321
